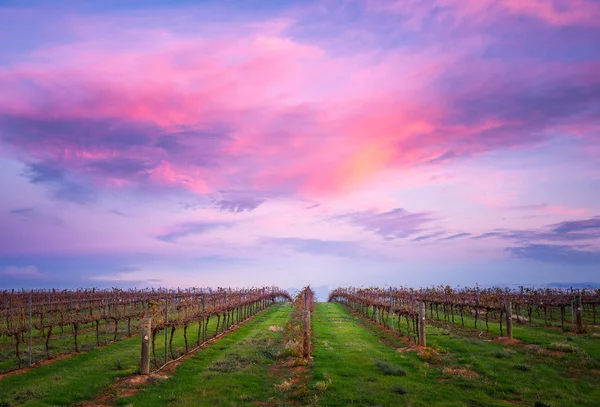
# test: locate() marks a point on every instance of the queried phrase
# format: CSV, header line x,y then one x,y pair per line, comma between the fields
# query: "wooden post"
x,y
30,328
579,314
106,319
166,326
422,338
391,309
306,327
9,322
572,315
509,327
145,359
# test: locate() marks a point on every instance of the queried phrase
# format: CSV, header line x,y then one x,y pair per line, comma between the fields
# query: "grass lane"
x,y
235,371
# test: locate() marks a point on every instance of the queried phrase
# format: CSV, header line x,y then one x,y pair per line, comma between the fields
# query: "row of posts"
x,y
576,316
421,319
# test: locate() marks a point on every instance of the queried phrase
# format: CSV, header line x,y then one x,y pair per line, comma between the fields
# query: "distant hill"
x,y
574,285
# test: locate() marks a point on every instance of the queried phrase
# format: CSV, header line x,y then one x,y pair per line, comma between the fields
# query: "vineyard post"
x,y
578,313
522,305
572,315
391,309
422,338
306,327
106,318
11,307
30,328
477,305
166,322
509,327
145,358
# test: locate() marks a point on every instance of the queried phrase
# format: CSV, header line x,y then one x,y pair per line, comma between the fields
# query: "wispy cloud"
x,y
556,254
63,187
427,237
25,212
25,272
191,228
397,223
455,236
566,231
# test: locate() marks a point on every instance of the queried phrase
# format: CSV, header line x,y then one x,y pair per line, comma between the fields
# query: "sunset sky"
x,y
240,143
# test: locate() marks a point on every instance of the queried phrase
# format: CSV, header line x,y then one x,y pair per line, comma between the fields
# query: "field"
x,y
355,361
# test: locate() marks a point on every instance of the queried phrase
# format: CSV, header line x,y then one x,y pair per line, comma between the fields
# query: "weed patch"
x,y
462,372
563,347
431,356
232,364
284,386
399,389
501,354
28,394
389,369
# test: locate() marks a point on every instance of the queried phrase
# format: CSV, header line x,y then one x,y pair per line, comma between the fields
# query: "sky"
x,y
359,142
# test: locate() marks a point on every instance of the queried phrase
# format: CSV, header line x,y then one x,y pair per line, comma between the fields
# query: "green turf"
x,y
459,371
62,342
82,376
355,363
539,335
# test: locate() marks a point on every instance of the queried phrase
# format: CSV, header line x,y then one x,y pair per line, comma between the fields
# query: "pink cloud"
x,y
257,109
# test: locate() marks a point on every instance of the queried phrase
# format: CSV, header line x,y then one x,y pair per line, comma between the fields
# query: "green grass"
x,y
356,363
458,370
82,376
74,379
536,335
61,342
236,371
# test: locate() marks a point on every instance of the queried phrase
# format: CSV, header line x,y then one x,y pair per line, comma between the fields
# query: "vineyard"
x,y
40,324
260,346
569,309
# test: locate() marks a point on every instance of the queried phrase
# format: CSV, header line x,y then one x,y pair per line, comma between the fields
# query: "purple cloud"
x,y
237,203
564,228
427,237
586,229
25,212
561,254
64,188
191,228
397,223
456,236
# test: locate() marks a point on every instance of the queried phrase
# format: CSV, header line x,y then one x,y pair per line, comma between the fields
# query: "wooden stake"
x,y
422,338
145,358
579,314
509,326
306,326
30,329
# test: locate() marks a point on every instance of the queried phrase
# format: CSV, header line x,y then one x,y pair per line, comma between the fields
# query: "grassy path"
x,y
456,371
236,371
